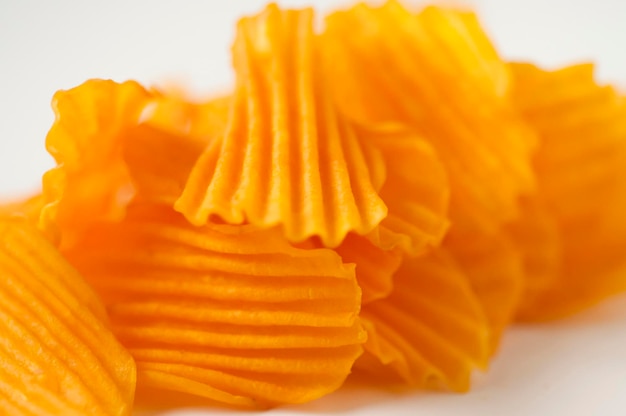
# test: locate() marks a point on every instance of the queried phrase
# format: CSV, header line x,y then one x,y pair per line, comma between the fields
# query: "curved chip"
x,y
161,151
57,357
29,208
286,157
231,313
375,267
430,332
437,72
415,190
494,268
536,236
199,121
90,181
117,142
581,165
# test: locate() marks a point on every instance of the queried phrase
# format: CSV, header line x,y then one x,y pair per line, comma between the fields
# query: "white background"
x,y
573,367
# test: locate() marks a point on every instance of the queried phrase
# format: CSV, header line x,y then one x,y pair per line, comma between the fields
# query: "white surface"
x,y
574,367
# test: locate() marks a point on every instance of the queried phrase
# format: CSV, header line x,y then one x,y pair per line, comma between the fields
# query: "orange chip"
x,y
537,238
581,165
162,150
91,181
117,142
29,208
494,268
413,184
202,121
431,331
415,190
231,313
375,267
286,158
57,356
437,72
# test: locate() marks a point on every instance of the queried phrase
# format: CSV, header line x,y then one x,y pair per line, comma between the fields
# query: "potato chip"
x,y
375,267
430,332
581,163
29,208
117,142
162,150
416,194
57,355
536,236
286,157
415,190
90,181
437,72
228,312
199,121
494,268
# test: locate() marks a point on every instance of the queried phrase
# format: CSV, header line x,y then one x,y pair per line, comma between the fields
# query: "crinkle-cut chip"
x,y
229,312
437,72
375,267
161,151
593,269
57,356
581,165
117,142
536,235
201,121
430,332
159,163
90,181
494,268
582,128
286,157
416,190
28,208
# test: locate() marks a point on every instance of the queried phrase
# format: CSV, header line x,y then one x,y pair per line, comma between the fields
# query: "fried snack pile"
x,y
383,198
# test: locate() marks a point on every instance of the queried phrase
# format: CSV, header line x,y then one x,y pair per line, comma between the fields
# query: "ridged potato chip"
x,y
436,72
430,332
580,164
494,269
115,143
91,181
57,354
286,158
228,312
28,208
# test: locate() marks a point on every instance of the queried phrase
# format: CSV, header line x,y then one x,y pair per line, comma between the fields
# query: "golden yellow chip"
x,y
436,72
493,267
581,165
57,356
375,267
231,313
537,238
91,181
286,157
415,190
29,208
430,332
114,143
